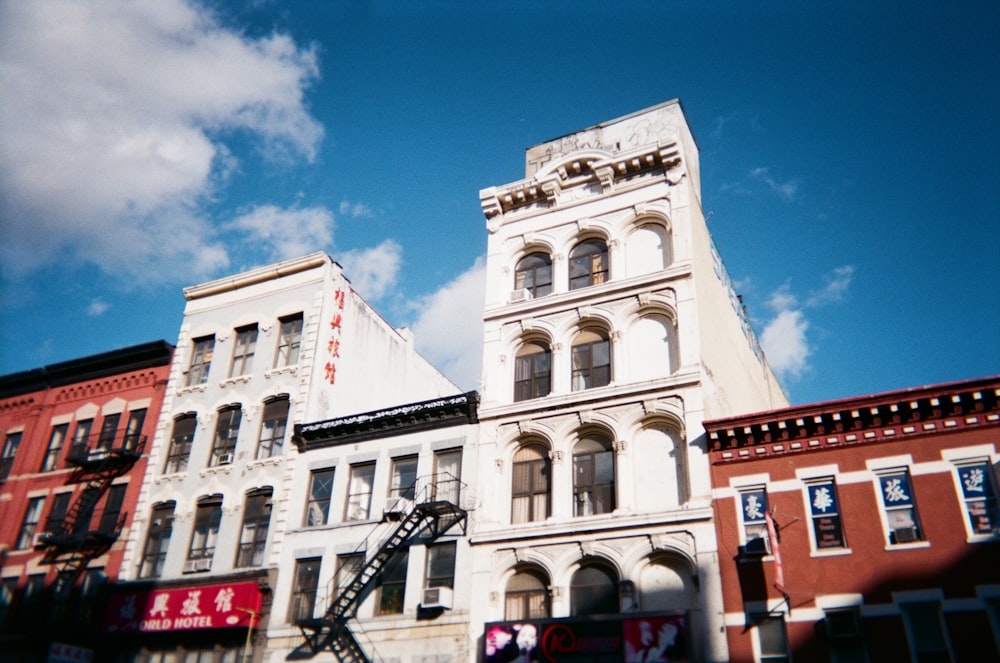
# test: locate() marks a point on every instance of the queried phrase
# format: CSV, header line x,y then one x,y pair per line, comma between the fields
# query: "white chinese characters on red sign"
x,y
212,606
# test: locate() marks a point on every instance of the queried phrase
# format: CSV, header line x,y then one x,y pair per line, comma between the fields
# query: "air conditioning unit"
x,y
225,459
36,540
905,534
396,508
197,565
436,597
522,295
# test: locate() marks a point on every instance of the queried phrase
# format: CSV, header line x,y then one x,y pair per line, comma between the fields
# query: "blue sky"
x,y
848,156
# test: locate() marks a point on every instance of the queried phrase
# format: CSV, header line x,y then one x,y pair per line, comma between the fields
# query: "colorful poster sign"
x,y
653,638
180,609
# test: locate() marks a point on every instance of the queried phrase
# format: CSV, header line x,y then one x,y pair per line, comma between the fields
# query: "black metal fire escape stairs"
x,y
79,537
423,513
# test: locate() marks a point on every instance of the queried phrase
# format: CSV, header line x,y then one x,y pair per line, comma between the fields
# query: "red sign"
x,y
208,606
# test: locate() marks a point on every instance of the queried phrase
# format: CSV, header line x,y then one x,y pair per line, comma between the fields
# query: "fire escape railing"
x,y
433,507
76,539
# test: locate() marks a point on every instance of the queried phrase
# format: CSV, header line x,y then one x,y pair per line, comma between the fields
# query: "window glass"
x,y
844,634
532,371
207,519
404,477
253,533
899,507
154,552
306,583
180,443
359,501
979,496
112,513
8,590
29,526
534,274
392,584
57,513
441,565
527,596
201,360
289,340
753,510
588,264
591,360
227,431
593,476
10,446
243,350
530,491
824,511
55,446
133,429
109,430
448,475
81,435
772,639
594,591
272,428
926,632
320,489
348,568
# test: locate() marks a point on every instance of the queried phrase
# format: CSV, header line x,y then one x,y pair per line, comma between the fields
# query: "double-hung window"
x,y
109,429
845,636
772,640
753,514
593,476
588,264
78,447
925,629
392,583
359,499
404,478
180,443
289,341
253,535
243,351
320,489
29,526
532,371
899,506
530,489
207,519
272,428
133,429
56,520
824,512
112,512
441,565
533,274
56,440
448,475
154,552
979,495
304,589
227,431
201,360
10,446
591,360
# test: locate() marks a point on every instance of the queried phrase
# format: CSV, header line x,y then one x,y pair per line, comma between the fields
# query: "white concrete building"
x,y
258,352
611,332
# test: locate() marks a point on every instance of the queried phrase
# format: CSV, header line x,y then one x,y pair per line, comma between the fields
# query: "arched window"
x,y
532,371
666,584
180,443
256,522
207,519
591,360
647,249
527,596
653,348
530,491
534,274
588,263
594,591
593,476
272,427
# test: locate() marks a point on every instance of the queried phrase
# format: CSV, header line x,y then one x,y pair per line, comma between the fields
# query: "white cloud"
x,y
449,328
285,234
373,272
111,123
356,210
97,307
785,189
836,285
785,344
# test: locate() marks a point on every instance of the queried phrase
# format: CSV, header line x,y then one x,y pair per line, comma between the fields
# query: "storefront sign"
x,y
208,606
636,639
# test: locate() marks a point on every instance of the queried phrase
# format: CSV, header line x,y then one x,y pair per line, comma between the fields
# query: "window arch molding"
x,y
654,344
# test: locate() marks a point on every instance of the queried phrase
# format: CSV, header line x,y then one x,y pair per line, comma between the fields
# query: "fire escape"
x,y
433,511
79,537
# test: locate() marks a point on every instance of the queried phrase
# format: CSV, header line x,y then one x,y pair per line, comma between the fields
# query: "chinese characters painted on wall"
x,y
333,345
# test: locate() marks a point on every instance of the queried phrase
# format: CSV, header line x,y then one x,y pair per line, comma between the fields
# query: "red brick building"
x,y
863,529
72,442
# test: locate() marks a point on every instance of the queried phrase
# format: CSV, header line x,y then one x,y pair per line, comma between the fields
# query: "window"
x,y
593,476
448,475
320,489
844,635
112,513
527,596
591,360
57,513
594,591
588,264
243,350
304,590
441,565
530,492
10,445
979,496
207,519
55,446
534,274
154,552
359,501
226,431
32,514
33,599
253,535
289,340
201,361
532,371
272,428
899,507
109,428
78,447
133,429
824,510
404,478
771,638
926,632
180,443
61,590
392,584
348,568
8,590
753,512
94,580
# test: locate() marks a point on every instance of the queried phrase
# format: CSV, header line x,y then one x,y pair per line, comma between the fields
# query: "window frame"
x,y
403,469
29,523
524,272
318,503
179,451
227,432
440,565
158,535
533,360
392,580
776,622
448,484
826,528
205,530
845,647
894,506
244,348
588,267
532,491
982,515
11,443
527,599
593,488
57,438
289,340
359,502
254,529
273,428
305,588
907,611
751,501
587,599
112,511
132,437
202,350
585,374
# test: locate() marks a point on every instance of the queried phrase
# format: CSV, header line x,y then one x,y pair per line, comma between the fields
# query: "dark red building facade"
x,y
864,529
72,442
